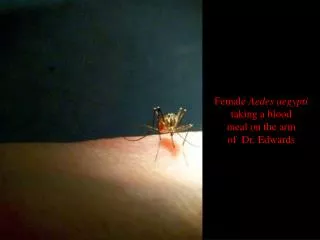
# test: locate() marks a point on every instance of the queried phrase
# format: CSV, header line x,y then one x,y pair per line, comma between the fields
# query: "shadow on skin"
x,y
102,189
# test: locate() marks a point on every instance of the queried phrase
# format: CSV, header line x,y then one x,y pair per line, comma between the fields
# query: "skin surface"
x,y
102,189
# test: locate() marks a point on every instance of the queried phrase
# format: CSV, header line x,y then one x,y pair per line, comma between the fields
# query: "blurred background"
x,y
75,70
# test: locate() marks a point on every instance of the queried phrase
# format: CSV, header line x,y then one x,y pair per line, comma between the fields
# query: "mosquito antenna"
x,y
185,140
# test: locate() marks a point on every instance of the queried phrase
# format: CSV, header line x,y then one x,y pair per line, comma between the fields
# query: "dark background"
x,y
76,70
261,191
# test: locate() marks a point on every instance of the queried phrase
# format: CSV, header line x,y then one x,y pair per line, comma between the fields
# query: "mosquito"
x,y
167,123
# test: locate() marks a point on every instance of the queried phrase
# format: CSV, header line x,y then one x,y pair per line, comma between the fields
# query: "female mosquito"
x,y
167,123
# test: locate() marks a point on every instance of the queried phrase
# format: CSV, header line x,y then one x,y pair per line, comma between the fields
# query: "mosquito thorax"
x,y
170,120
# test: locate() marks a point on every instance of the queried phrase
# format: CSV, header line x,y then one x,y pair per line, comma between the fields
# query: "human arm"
x,y
103,189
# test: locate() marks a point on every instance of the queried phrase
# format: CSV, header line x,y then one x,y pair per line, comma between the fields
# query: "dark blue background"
x,y
73,70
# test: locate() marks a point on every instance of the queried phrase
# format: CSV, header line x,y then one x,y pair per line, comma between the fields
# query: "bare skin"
x,y
102,189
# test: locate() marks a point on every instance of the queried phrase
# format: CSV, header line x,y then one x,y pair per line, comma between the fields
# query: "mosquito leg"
x,y
155,159
185,158
180,115
172,140
160,112
185,138
145,135
184,154
155,115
